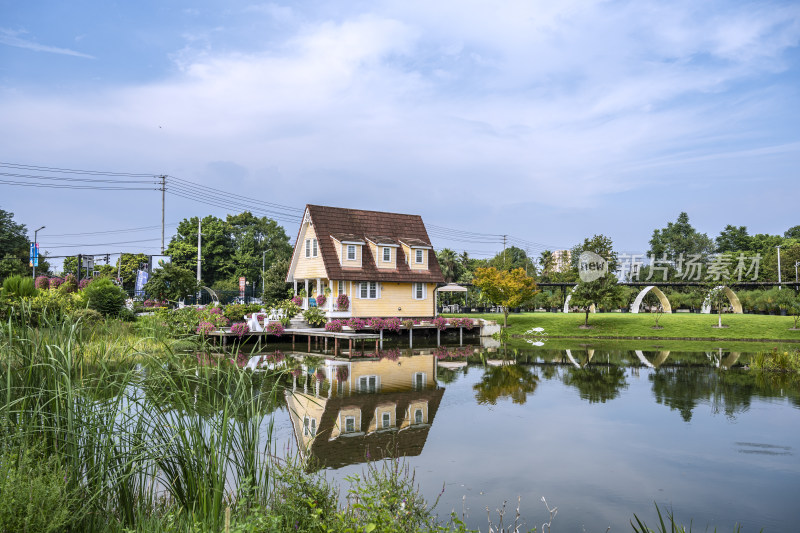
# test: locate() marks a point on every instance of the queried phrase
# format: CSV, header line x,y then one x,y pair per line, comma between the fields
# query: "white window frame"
x,y
309,427
341,288
308,247
419,386
414,287
418,257
353,248
347,419
367,287
421,414
366,388
314,248
386,420
387,252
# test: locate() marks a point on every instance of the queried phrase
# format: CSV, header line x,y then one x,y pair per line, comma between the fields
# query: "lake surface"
x,y
601,434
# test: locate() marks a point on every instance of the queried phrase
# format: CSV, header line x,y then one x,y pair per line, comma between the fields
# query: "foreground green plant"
x,y
641,527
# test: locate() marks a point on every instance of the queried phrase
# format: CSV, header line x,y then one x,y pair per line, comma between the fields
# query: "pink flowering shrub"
x,y
298,301
389,355
464,322
277,357
356,323
342,373
375,323
321,299
334,326
392,324
215,311
42,282
240,328
84,283
440,322
296,372
204,328
408,323
55,282
342,303
275,328
452,353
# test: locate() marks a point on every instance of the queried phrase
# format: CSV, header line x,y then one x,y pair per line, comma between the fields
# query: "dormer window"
x,y
351,252
387,254
418,256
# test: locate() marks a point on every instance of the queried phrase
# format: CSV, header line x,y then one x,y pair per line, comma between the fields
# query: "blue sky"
x,y
546,121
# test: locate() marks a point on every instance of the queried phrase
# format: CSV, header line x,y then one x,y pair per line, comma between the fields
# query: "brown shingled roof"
x,y
357,223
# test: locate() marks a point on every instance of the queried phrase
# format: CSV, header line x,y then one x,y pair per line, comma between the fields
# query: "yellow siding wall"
x,y
394,377
394,295
309,267
303,405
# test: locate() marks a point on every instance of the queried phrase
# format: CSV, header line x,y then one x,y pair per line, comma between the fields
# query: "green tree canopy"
x,y
679,238
127,265
231,248
793,233
15,249
733,239
512,258
171,282
450,264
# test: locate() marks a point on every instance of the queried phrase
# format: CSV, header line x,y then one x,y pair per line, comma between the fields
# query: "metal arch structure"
x,y
637,303
732,298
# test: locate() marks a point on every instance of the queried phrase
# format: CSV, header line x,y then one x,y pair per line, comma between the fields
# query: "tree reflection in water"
x,y
503,381
596,383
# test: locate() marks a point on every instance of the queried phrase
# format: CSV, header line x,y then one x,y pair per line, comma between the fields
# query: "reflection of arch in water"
x,y
662,356
727,362
589,352
732,298
665,305
569,297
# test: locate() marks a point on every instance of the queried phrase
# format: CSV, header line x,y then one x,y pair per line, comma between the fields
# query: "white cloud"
x,y
11,38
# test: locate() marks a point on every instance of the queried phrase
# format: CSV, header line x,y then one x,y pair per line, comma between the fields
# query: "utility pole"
x,y
163,202
779,266
36,247
263,265
80,260
119,269
504,250
199,244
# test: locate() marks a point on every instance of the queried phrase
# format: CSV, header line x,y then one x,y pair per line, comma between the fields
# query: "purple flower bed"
x,y
392,324
205,328
321,299
42,282
55,282
334,326
275,328
84,283
440,322
356,323
375,323
297,301
240,328
463,322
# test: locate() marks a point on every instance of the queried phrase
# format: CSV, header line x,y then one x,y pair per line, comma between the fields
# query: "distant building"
x,y
562,260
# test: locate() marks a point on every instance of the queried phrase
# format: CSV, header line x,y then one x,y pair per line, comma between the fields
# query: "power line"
x,y
75,171
98,244
56,186
129,230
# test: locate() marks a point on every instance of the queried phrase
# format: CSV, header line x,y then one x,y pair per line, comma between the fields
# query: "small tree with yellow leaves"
x,y
506,289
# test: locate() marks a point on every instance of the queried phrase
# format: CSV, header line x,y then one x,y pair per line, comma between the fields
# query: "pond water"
x,y
600,433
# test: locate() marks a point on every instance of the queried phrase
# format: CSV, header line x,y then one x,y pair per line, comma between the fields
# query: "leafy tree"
x,y
733,239
511,259
679,238
171,282
105,297
547,261
127,265
793,233
603,291
507,289
451,266
765,244
275,287
599,244
790,254
256,239
15,249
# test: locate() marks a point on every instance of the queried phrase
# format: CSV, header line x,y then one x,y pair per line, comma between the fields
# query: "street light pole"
x,y
263,264
779,266
795,271
36,259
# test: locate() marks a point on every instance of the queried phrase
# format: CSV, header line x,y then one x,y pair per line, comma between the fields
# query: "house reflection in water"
x,y
348,411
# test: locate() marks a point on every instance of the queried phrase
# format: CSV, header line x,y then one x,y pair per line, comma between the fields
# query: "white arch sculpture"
x,y
732,298
637,303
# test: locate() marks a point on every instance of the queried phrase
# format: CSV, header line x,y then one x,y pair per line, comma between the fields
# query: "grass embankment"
x,y
632,326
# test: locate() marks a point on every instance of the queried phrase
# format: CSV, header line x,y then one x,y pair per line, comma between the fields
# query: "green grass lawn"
x,y
629,325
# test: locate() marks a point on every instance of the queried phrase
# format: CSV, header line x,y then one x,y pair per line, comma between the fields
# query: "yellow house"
x,y
383,262
365,408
